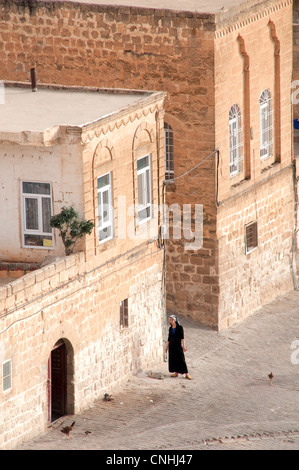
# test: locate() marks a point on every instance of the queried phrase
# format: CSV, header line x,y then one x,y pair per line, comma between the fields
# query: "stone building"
x,y
74,327
227,70
228,114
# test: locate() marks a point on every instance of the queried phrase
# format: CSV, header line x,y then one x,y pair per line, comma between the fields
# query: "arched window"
x,y
235,140
169,160
266,125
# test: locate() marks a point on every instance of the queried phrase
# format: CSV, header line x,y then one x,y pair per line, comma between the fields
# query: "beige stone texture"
x,y
84,312
199,58
76,298
206,62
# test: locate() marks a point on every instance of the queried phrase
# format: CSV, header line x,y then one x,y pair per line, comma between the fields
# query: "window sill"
x,y
143,221
269,166
29,247
248,252
101,242
239,183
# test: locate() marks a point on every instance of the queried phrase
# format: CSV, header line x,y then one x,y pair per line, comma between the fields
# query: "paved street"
x,y
229,404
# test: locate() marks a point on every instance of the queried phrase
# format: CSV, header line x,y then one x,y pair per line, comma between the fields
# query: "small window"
x,y
266,125
144,188
251,237
235,141
124,313
37,212
7,375
169,159
105,209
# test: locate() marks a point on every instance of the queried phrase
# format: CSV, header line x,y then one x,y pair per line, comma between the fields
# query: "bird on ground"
x,y
68,429
270,377
108,397
87,432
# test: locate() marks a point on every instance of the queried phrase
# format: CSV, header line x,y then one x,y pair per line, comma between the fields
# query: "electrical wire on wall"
x,y
162,234
162,229
173,180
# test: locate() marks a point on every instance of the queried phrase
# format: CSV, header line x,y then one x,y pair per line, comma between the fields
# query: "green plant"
x,y
71,227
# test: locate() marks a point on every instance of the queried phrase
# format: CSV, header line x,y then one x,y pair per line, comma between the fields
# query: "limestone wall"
x,y
251,280
66,300
252,56
110,46
189,55
61,166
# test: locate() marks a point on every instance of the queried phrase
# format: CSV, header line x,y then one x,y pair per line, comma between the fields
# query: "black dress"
x,y
176,357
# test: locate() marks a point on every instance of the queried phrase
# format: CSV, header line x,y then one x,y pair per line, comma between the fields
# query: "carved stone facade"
x,y
74,327
207,63
228,76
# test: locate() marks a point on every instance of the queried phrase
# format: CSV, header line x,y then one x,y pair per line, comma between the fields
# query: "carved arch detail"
x,y
104,152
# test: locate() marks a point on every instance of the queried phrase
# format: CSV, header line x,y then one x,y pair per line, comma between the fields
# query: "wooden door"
x,y
57,382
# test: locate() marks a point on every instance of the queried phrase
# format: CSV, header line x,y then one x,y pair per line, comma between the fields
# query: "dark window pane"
x,y
38,240
36,188
31,212
46,206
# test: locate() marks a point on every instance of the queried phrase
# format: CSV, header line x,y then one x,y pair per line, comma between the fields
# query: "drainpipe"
x,y
295,186
295,189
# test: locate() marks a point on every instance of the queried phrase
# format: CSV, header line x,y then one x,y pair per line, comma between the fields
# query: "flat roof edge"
x,y
124,9
80,88
48,136
246,9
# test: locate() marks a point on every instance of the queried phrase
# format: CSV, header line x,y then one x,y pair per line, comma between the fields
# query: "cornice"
x,y
106,126
240,23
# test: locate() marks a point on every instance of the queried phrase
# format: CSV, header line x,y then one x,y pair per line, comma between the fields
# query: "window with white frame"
x,y
266,125
36,215
6,375
169,158
105,208
144,188
235,141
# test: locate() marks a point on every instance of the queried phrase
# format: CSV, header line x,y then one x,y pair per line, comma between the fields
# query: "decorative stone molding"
x,y
241,23
92,134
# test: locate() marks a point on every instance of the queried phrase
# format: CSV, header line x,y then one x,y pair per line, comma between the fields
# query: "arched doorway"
x,y
60,380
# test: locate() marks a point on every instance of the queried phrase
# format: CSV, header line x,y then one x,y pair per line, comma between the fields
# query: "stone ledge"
x,y
18,266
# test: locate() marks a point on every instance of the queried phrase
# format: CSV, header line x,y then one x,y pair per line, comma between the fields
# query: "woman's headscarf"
x,y
175,319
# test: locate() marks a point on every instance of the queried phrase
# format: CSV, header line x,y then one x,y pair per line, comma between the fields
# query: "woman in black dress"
x,y
176,347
